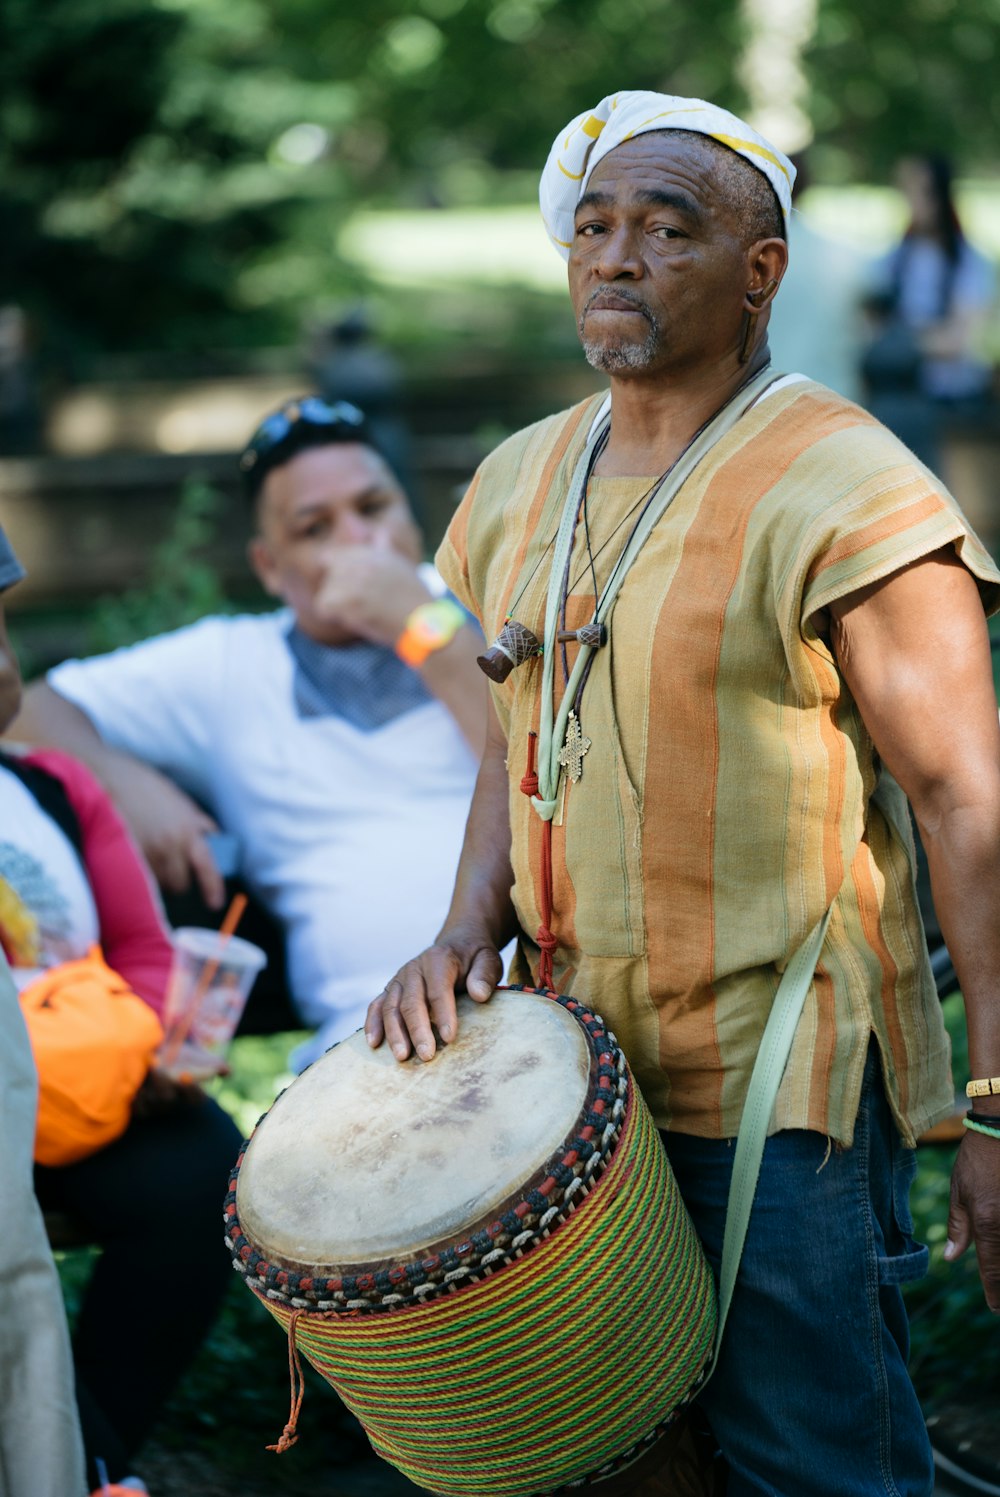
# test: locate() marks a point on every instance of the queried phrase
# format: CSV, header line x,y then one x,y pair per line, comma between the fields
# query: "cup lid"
x,y
208,945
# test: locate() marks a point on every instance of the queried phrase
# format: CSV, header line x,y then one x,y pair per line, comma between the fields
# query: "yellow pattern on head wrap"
x,y
587,139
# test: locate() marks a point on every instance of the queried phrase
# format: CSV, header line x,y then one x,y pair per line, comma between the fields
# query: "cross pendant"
x,y
576,745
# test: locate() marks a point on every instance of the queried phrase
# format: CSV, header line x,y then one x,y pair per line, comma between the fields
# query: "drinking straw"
x,y
227,929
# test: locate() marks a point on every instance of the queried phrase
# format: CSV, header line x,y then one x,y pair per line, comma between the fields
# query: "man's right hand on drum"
x,y
421,996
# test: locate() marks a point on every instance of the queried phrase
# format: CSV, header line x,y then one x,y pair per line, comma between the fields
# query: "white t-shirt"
x,y
350,838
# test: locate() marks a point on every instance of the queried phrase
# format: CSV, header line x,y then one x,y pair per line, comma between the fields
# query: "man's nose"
x,y
619,254
354,530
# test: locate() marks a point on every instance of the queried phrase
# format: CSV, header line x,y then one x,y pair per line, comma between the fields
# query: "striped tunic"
x,y
726,800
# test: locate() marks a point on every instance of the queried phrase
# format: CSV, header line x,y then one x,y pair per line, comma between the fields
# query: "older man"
x,y
781,600
337,738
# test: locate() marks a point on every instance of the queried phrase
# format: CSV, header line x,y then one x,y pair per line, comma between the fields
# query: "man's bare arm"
x,y
914,651
454,677
480,921
167,824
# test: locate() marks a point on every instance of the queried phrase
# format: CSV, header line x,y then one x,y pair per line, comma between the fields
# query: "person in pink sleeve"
x,y
71,879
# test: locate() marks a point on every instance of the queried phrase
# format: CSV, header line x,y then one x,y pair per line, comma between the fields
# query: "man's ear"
x,y
767,261
262,562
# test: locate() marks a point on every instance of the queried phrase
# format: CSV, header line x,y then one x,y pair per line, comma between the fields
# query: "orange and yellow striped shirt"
x,y
726,799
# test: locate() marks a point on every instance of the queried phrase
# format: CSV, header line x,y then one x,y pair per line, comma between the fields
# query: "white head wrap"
x,y
587,139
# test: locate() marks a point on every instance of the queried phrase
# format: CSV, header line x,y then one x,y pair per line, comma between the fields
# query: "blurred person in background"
x,y
927,302
337,738
346,360
41,1453
816,326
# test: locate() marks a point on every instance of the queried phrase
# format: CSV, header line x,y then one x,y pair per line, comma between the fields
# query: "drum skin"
x,y
365,1162
550,1338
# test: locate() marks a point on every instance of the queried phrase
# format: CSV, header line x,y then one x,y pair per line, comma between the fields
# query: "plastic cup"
x,y
200,1020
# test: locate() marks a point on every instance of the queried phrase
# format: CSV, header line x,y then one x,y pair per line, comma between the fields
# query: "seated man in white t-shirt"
x,y
337,739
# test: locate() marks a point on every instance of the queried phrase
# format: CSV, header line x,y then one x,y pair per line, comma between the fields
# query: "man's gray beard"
x,y
613,358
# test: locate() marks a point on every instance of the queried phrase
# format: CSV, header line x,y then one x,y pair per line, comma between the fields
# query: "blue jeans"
x,y
811,1397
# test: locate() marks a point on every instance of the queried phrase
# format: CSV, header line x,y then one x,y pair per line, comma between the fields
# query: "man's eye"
x,y
313,531
373,509
667,231
588,231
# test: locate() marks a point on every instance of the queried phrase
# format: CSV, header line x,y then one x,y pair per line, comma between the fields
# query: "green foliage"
x,y
199,158
258,1073
175,173
886,79
183,586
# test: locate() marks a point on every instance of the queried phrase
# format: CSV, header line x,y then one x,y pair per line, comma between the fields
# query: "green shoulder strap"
x,y
769,1067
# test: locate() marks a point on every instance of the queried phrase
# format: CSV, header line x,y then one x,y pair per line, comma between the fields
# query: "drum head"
x,y
365,1162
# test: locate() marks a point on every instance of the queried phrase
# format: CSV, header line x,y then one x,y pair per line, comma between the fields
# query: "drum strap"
x,y
769,1067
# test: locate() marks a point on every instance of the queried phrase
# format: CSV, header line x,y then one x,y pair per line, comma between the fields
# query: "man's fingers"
x,y
988,1255
397,1032
441,973
484,974
374,1028
959,1229
421,995
421,998
210,880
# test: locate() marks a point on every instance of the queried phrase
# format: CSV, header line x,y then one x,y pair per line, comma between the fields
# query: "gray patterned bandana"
x,y
364,683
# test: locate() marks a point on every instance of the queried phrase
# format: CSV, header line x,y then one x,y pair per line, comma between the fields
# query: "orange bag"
x,y
93,1040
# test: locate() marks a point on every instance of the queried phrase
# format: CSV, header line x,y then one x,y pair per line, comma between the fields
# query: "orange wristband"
x,y
429,627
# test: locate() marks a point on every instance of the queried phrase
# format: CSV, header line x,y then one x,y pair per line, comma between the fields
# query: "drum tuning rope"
x,y
289,1435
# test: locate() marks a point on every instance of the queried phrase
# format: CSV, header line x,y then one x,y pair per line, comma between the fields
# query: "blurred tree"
x,y
886,79
174,173
134,172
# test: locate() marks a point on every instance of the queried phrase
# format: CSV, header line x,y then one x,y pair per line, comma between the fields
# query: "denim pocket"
x,y
905,1259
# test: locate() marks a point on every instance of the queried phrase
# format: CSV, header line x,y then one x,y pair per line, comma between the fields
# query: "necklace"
x,y
560,743
595,633
553,724
516,642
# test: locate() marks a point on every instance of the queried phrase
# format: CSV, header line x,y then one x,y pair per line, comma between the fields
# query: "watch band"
x,y
428,628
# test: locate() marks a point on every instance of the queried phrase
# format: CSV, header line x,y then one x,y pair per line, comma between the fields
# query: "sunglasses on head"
x,y
302,422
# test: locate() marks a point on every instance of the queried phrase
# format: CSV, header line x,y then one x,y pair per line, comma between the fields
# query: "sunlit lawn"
x,y
509,246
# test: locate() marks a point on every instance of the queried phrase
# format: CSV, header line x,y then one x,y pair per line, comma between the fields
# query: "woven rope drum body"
x,y
543,1371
